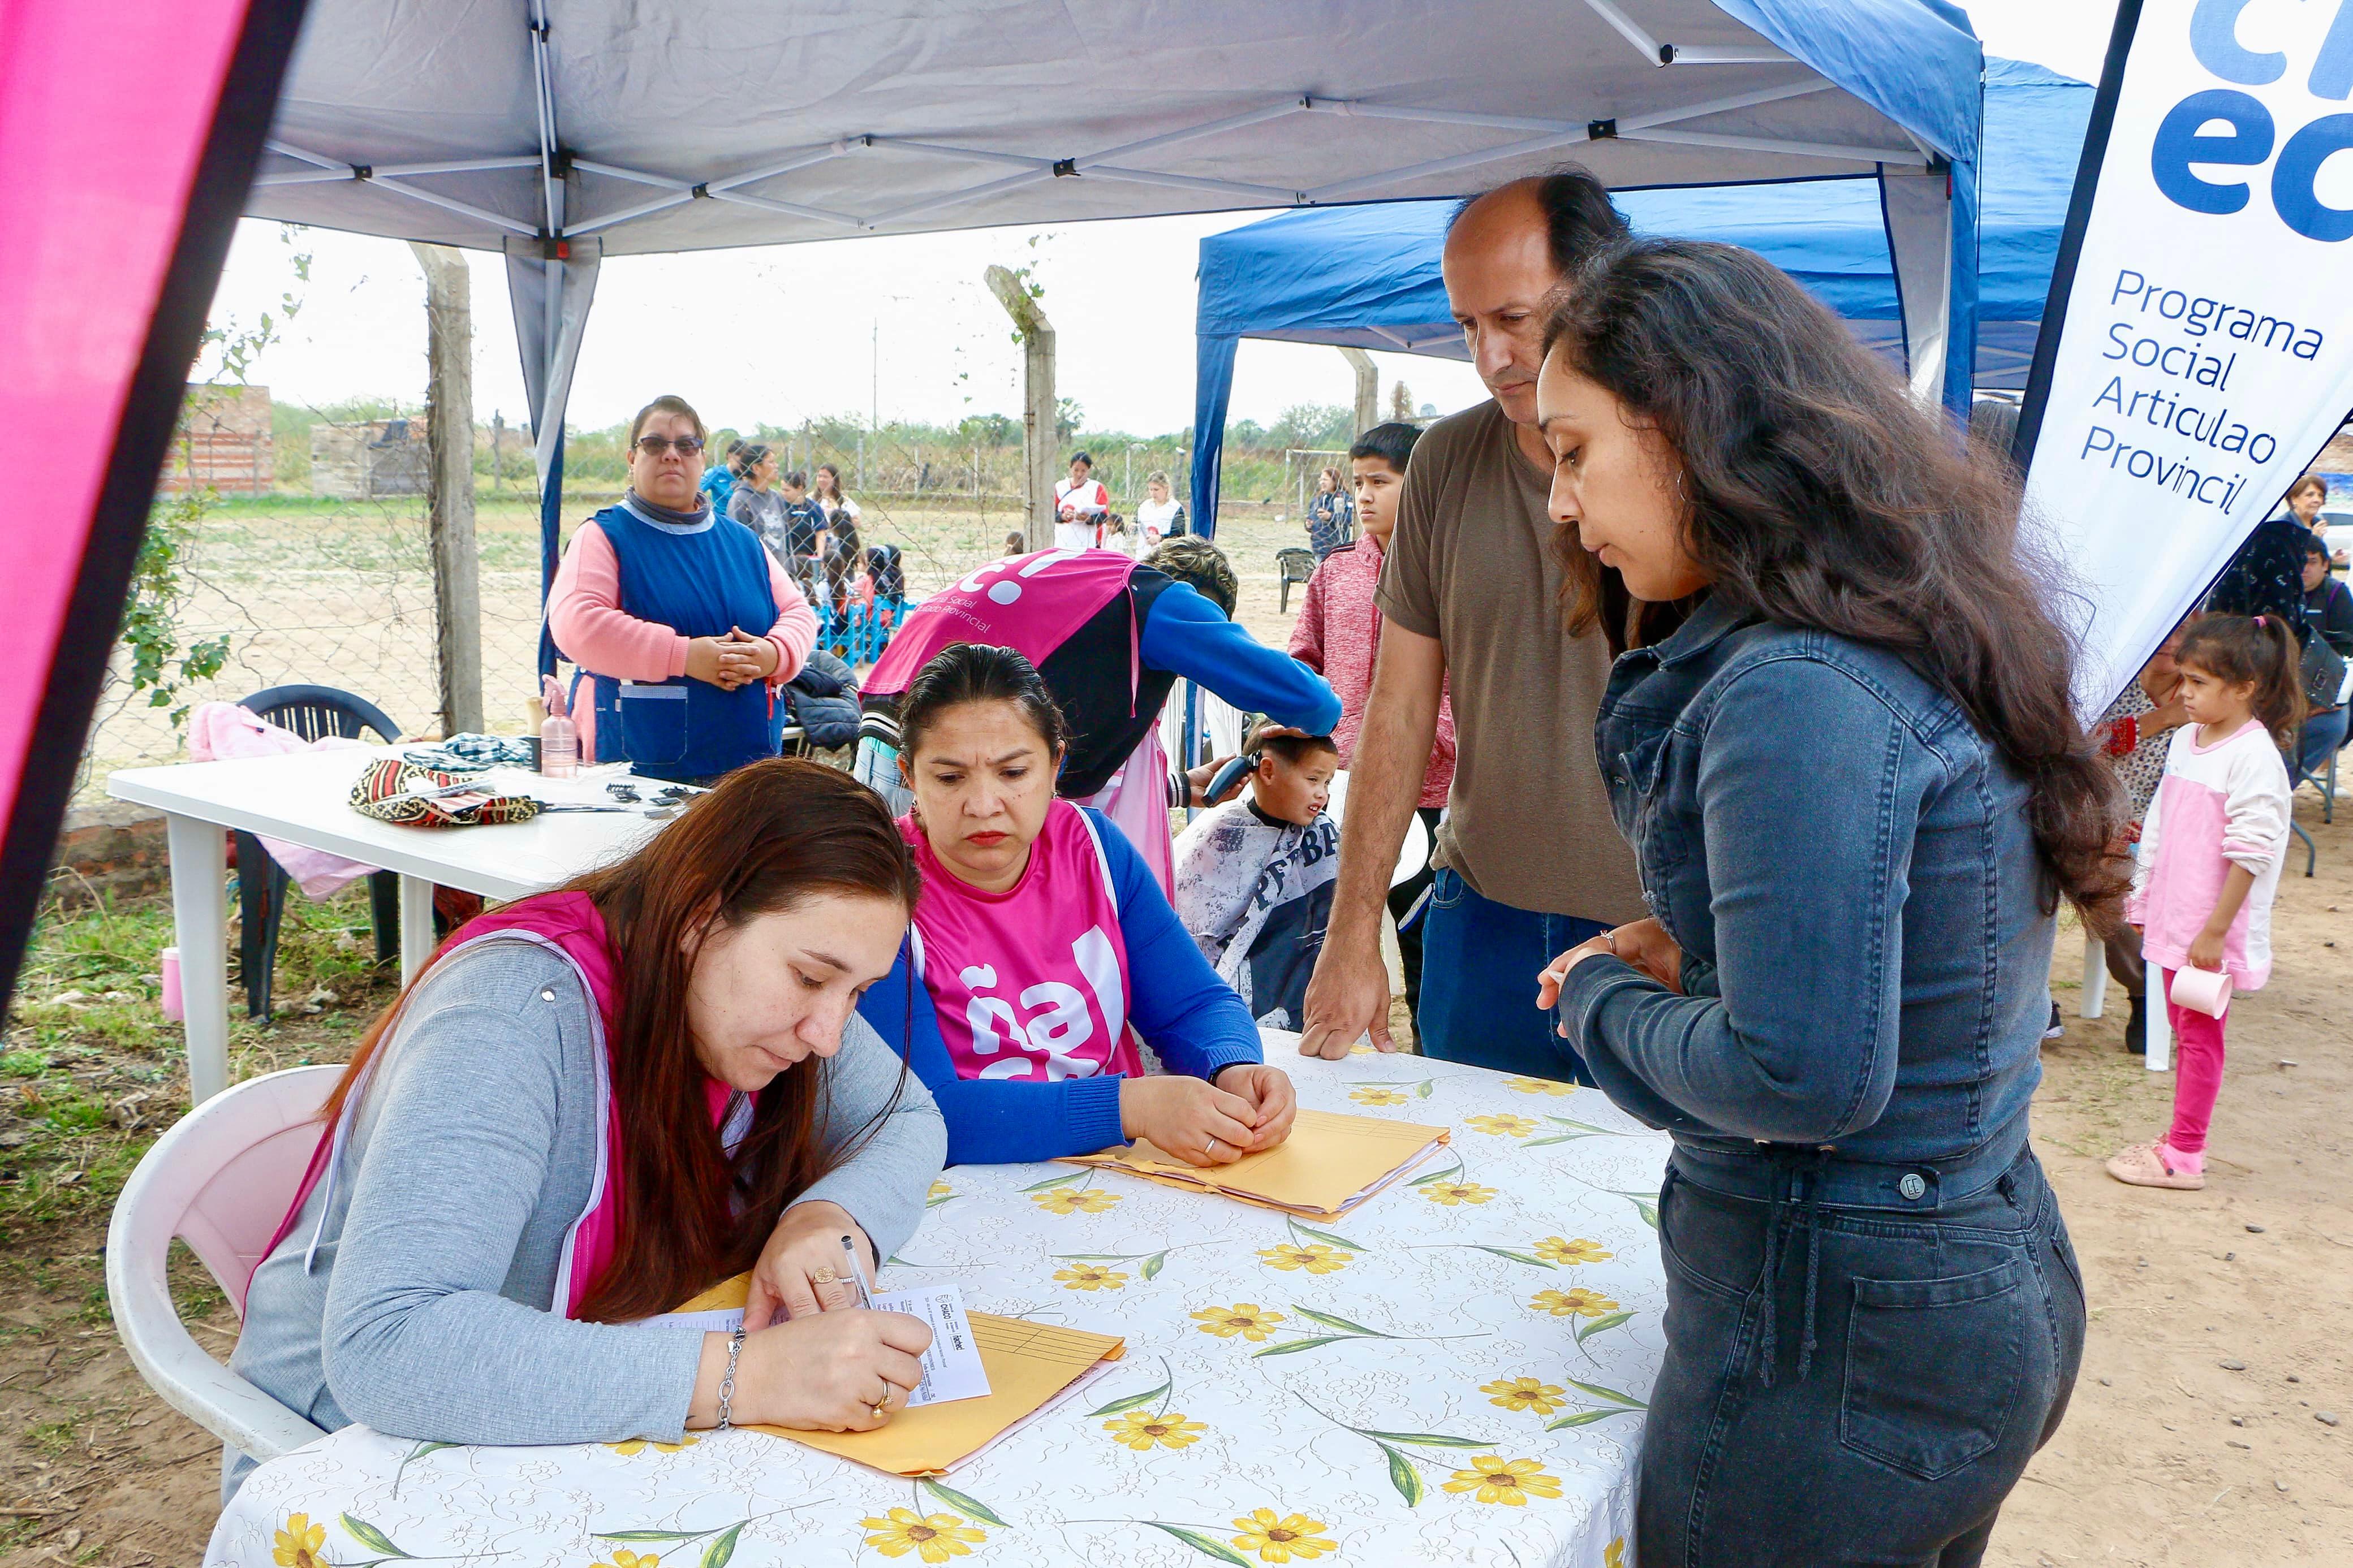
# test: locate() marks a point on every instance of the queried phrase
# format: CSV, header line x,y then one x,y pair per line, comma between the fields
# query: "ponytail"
x,y
2262,651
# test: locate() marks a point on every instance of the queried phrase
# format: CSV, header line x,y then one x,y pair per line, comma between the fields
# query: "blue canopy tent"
x,y
1367,277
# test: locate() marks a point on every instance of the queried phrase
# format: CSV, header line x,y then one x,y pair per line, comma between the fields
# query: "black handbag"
x,y
2323,673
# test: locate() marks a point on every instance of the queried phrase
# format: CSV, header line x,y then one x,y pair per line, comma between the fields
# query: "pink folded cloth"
x,y
220,731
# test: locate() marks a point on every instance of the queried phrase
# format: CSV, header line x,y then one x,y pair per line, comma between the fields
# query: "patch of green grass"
x,y
23,1064
53,1437
71,1114
195,1292
95,1307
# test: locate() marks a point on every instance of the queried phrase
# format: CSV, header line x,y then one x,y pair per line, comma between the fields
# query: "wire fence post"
x,y
449,432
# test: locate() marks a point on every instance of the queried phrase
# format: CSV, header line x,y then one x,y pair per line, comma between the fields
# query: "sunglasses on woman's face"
x,y
655,445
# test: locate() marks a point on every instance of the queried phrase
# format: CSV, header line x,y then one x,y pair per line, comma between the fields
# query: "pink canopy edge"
x,y
104,112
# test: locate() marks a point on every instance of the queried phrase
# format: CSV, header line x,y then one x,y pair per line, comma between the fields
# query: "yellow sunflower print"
x,y
1501,1125
299,1544
1089,1277
1248,1318
1316,1257
940,1190
1448,1193
1578,1303
625,1557
937,1537
1074,1200
639,1445
1540,1086
1524,1393
1560,1249
1614,1554
1141,1430
1279,1540
1497,1479
1377,1094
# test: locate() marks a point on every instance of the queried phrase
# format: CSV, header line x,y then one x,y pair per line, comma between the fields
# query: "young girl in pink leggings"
x,y
2211,848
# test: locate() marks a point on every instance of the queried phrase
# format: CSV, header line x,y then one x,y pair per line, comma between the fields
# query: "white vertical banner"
x,y
2197,349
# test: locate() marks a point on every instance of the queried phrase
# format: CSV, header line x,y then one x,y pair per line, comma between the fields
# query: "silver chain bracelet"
x,y
727,1384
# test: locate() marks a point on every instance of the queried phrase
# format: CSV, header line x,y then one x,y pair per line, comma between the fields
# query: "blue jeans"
x,y
1848,1383
1480,961
2323,735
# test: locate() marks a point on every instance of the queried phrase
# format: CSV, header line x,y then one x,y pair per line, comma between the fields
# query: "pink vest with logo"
x,y
571,924
1030,984
1033,604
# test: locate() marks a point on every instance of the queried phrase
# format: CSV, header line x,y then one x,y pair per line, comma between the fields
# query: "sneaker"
x,y
2136,1028
2056,1028
2145,1166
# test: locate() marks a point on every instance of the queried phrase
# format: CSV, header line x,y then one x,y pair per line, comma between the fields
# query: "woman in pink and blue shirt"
x,y
1044,953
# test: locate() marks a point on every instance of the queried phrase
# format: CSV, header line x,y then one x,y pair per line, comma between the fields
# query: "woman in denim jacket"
x,y
1857,791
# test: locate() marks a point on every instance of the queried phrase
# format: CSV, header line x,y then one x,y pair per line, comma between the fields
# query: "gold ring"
x,y
824,1275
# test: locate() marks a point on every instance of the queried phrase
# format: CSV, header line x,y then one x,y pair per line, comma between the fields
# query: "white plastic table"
x,y
1455,1373
304,798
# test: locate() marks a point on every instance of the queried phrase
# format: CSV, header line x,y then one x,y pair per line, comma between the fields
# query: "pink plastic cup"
x,y
174,1008
2206,990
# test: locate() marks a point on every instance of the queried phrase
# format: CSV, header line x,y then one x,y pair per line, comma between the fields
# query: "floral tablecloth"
x,y
1453,1373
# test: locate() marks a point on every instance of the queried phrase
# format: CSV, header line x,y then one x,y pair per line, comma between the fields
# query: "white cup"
x,y
2206,990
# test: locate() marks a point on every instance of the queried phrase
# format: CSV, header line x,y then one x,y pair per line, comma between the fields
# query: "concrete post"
x,y
1368,388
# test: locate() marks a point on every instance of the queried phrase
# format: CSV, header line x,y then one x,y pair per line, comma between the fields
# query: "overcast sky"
x,y
786,332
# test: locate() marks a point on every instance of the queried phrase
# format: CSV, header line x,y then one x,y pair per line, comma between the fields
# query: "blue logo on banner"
x,y
2251,134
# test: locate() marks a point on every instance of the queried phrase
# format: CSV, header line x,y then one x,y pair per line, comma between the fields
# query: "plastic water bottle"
x,y
559,738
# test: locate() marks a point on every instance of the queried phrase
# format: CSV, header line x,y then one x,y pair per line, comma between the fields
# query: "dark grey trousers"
x,y
1864,1388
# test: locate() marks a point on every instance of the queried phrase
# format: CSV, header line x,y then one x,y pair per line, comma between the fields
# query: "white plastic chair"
x,y
220,1180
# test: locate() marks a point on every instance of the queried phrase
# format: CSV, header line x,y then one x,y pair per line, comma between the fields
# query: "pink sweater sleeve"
x,y
584,612
794,632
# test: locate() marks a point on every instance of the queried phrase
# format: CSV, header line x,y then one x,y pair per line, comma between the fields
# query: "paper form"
x,y
1026,1368
1328,1165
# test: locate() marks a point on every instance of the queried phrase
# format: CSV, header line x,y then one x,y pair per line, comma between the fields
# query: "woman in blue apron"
x,y
682,623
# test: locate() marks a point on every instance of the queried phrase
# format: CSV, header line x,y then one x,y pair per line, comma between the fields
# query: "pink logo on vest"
x,y
1030,984
1031,604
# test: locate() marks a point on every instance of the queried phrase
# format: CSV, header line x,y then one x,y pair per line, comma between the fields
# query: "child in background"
x,y
804,531
1015,545
2211,847
1254,876
1338,635
1329,515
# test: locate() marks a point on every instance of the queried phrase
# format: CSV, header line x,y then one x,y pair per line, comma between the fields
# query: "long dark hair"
x,y
978,672
1821,494
2257,650
771,835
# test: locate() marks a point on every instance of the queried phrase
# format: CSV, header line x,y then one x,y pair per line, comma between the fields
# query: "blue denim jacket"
x,y
1847,865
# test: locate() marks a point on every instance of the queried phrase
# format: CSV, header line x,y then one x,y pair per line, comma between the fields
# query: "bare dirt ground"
x,y
2201,1432
2214,1420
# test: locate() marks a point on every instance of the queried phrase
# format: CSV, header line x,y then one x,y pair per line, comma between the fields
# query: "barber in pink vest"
x,y
1043,950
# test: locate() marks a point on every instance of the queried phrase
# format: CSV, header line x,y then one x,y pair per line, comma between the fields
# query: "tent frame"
x,y
1549,134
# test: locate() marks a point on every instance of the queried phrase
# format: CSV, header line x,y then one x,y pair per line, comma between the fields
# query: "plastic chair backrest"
x,y
239,1159
220,1180
312,712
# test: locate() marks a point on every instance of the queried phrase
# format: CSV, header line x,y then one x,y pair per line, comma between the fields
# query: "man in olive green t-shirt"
x,y
1530,861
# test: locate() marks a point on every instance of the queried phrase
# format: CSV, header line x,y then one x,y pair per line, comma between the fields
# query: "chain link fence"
x,y
306,589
